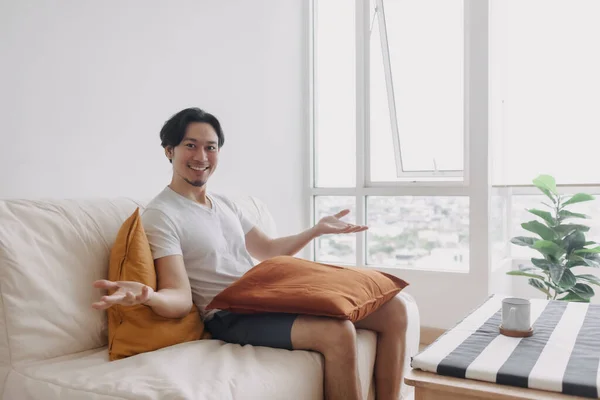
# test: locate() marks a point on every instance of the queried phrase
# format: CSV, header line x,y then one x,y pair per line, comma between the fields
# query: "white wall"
x,y
87,85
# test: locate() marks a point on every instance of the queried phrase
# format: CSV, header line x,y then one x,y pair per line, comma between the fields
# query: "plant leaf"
x,y
545,215
564,214
549,248
574,241
525,268
583,290
539,228
546,182
556,272
578,198
523,241
557,289
567,280
541,263
573,297
523,273
590,262
593,279
575,261
565,229
592,250
588,259
547,185
539,285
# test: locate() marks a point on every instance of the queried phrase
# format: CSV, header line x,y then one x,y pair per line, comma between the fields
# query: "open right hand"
x,y
127,293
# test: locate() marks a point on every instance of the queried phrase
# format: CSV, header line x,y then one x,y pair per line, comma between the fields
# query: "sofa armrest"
x,y
413,338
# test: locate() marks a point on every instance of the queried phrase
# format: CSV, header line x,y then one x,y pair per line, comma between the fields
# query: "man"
x,y
201,243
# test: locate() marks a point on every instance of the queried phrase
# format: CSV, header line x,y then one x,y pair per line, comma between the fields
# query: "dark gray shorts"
x,y
265,329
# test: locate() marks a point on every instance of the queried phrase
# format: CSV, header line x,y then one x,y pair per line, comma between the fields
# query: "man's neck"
x,y
197,194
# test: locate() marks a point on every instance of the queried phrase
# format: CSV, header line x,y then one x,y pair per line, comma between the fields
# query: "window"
x,y
545,85
430,122
416,90
423,232
397,88
388,112
544,102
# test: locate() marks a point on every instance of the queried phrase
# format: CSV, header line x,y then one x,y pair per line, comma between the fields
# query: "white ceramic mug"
x,y
516,314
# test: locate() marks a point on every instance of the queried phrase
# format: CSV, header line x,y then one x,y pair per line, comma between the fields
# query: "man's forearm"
x,y
290,245
170,303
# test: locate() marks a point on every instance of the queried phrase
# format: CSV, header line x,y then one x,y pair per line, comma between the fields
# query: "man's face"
x,y
196,157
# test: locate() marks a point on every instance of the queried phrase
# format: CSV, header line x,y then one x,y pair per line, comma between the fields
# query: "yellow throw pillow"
x,y
138,329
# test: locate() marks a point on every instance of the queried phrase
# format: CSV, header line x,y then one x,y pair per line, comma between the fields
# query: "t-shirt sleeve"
x,y
162,235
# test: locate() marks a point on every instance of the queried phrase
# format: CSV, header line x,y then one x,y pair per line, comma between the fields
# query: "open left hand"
x,y
333,225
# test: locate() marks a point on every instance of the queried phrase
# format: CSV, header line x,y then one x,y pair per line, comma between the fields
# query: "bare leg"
x,y
336,340
389,322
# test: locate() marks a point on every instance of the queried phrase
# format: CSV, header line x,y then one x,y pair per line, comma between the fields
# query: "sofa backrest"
x,y
50,253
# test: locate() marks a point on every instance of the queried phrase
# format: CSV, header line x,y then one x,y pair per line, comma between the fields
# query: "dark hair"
x,y
173,130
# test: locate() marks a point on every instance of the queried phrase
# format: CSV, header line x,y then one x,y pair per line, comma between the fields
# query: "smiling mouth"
x,y
198,168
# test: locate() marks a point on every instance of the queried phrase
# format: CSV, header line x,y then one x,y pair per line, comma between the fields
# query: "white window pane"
x,y
334,93
425,40
521,203
546,71
420,232
335,248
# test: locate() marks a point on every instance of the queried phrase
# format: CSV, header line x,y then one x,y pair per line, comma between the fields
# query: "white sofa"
x,y
53,344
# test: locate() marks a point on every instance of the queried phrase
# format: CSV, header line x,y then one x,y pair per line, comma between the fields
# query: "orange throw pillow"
x,y
293,285
137,329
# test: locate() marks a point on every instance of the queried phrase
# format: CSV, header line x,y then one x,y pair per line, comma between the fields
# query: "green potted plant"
x,y
562,245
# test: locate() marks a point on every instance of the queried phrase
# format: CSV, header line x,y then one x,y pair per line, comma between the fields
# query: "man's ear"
x,y
169,153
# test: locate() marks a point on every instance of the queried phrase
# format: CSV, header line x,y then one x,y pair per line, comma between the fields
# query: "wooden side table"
x,y
430,386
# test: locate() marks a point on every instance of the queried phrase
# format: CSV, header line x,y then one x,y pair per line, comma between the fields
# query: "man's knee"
x,y
340,339
328,336
397,315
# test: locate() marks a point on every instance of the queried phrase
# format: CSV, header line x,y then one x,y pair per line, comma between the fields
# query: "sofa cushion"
x,y
293,285
137,329
50,252
205,369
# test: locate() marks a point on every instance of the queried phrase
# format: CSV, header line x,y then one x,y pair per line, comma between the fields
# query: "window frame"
x,y
477,174
475,183
391,100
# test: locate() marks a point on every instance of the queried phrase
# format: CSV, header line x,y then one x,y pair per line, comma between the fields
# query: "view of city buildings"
x,y
409,231
432,232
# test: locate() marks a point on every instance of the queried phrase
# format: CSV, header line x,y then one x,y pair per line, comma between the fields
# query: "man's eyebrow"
x,y
196,141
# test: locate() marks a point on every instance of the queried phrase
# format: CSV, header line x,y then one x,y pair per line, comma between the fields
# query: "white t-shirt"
x,y
211,240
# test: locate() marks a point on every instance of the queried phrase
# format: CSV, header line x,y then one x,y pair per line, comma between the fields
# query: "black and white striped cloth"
x,y
563,354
